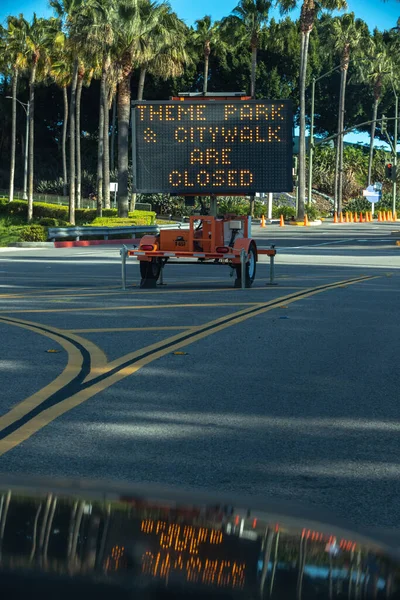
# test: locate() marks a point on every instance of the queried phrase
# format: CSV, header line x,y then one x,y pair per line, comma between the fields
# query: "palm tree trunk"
x,y
13,132
72,146
142,79
253,95
253,71
206,66
341,137
114,121
302,133
337,155
100,150
371,144
124,100
31,149
132,203
78,144
64,141
106,151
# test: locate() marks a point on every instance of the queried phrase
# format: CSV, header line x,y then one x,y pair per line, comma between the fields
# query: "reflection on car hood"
x,y
64,539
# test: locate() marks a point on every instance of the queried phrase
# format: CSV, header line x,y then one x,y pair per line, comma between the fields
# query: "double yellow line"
x,y
88,372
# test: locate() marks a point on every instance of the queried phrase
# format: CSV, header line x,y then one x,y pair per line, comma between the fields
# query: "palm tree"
x,y
140,23
41,34
308,13
70,13
347,35
101,19
13,51
164,60
205,36
244,26
376,71
61,72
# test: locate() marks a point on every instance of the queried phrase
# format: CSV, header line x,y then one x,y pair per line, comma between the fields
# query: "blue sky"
x,y
375,12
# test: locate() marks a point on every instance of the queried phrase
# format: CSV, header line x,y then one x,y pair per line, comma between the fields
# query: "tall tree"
x,y
377,71
308,12
14,52
205,36
41,35
140,23
76,27
347,36
244,26
61,72
102,21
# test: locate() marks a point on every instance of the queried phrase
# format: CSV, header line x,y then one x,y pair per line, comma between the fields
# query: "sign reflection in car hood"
x,y
85,539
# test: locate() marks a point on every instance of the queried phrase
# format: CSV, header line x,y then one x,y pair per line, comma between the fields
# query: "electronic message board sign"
x,y
213,147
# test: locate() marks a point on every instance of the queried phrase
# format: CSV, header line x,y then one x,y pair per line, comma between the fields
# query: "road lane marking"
x,y
113,308
122,329
104,377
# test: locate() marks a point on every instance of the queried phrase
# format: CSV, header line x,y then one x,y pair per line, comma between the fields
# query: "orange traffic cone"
x,y
361,218
390,216
262,221
347,217
306,220
351,218
355,218
367,219
395,216
379,216
282,222
341,217
335,219
384,216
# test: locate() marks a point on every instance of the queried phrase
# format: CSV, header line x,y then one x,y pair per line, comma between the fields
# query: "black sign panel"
x,y
213,147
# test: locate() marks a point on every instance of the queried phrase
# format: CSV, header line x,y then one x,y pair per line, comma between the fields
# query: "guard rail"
x,y
57,233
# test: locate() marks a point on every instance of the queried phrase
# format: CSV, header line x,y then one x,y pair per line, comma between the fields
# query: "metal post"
x,y
272,268
25,194
124,254
270,198
161,278
394,182
243,260
311,149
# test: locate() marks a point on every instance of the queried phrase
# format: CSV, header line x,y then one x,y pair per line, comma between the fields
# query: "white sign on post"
x,y
372,195
114,188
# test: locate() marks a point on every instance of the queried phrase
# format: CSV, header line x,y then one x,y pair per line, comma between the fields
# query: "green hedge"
x,y
24,233
33,233
43,210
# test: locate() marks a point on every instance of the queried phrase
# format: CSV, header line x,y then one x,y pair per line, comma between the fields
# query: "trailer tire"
x,y
149,273
250,269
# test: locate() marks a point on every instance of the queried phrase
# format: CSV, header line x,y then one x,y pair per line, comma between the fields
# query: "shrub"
x,y
312,212
287,211
33,233
48,222
138,217
359,205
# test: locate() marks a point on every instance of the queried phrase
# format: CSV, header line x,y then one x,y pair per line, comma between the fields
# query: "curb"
x,y
31,245
80,244
84,243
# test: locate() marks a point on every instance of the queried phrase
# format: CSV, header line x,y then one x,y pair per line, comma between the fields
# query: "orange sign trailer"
x,y
209,240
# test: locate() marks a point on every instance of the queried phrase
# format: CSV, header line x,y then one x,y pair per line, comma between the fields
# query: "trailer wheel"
x,y
250,269
149,272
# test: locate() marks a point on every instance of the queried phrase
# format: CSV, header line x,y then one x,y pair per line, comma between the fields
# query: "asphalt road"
x,y
289,391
